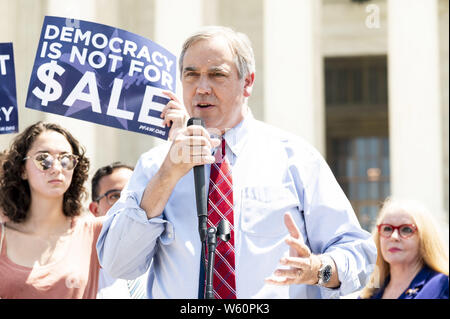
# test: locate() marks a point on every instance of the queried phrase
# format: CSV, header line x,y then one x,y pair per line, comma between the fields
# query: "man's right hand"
x,y
191,146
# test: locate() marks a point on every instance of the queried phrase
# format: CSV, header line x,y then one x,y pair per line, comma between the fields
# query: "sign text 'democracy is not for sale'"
x,y
101,74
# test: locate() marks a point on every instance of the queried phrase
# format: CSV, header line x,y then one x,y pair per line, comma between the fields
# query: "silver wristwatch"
x,y
326,270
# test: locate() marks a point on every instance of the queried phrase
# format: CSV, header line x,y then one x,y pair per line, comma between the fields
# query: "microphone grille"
x,y
196,121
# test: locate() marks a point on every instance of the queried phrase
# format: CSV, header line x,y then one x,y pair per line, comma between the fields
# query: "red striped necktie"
x,y
220,206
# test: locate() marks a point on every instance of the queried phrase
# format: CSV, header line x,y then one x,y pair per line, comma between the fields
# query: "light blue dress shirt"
x,y
274,172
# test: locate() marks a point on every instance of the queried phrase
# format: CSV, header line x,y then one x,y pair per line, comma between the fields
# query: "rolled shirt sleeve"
x,y
333,229
128,239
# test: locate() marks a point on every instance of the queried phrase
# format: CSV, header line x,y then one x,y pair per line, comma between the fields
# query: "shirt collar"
x,y
236,137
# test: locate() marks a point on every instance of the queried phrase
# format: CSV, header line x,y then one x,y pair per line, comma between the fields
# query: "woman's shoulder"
x,y
438,278
89,221
433,275
436,286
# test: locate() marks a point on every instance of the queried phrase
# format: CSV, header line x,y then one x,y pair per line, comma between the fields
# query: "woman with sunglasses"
x,y
412,260
47,250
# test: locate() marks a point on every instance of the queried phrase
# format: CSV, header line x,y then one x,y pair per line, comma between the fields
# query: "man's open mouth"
x,y
204,105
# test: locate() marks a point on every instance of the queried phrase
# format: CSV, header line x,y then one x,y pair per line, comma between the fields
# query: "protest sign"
x,y
9,121
101,74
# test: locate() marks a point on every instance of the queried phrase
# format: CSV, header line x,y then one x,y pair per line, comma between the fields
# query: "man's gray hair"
x,y
239,43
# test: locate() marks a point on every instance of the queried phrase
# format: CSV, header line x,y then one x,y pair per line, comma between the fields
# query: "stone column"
x,y
293,74
414,102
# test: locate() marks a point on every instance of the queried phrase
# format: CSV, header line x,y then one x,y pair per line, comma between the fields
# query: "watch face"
x,y
326,274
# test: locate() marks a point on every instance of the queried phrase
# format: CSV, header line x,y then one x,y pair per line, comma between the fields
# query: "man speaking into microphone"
x,y
293,232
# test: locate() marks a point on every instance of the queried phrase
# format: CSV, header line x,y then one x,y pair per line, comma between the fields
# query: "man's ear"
x,y
93,207
249,80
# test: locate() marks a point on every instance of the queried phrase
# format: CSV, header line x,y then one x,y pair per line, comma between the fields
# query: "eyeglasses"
x,y
405,230
44,161
111,196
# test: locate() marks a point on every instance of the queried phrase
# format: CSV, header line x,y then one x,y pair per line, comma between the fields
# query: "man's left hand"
x,y
303,265
174,114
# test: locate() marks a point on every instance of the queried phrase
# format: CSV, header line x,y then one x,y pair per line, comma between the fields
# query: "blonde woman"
x,y
412,260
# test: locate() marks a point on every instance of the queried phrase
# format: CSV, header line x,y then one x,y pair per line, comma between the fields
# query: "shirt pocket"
x,y
263,209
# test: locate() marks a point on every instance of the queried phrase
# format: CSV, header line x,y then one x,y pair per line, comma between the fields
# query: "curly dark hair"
x,y
15,196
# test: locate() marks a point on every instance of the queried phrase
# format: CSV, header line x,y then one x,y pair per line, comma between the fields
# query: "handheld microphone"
x,y
200,189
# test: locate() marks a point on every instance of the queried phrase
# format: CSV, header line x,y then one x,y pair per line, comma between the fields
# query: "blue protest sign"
x,y
101,74
9,120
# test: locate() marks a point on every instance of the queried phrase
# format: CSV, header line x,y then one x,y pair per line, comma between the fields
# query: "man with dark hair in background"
x,y
107,183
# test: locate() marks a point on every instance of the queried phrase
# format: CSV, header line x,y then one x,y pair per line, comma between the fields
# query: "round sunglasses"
x,y
44,161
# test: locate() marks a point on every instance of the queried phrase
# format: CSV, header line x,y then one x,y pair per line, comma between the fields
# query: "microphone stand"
x,y
212,243
224,233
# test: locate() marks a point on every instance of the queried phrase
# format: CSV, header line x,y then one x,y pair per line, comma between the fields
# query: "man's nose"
x,y
203,87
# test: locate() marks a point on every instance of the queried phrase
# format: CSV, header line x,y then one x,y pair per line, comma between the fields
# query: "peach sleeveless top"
x,y
73,276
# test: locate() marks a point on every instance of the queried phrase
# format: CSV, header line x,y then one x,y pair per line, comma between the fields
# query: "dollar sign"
x,y
53,89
